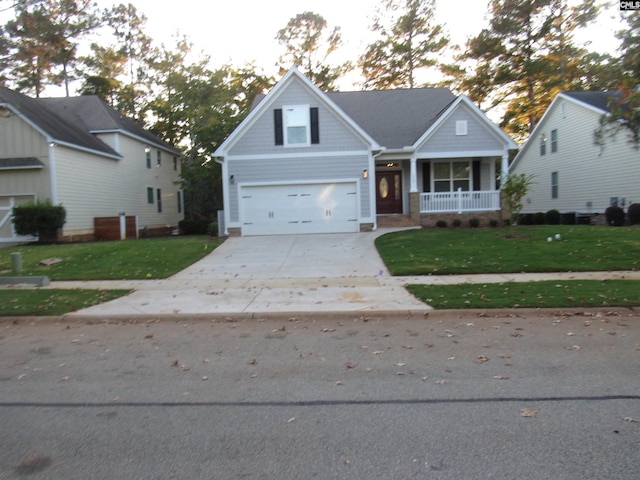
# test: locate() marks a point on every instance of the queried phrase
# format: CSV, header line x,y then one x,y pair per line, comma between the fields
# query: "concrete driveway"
x,y
254,276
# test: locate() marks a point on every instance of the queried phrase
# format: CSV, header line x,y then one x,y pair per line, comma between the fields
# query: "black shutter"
x,y
277,123
476,174
315,130
426,177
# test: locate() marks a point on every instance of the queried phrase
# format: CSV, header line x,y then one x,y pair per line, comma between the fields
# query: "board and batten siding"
x,y
586,172
479,137
335,136
21,140
298,170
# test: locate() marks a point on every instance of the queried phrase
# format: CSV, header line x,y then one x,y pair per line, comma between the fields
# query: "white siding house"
x,y
306,161
571,173
81,153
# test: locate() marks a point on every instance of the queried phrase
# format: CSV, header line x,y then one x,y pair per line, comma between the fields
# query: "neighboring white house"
x,y
306,161
572,174
81,153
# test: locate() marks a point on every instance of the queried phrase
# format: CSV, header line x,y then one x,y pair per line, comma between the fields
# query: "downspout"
x,y
53,174
373,186
225,192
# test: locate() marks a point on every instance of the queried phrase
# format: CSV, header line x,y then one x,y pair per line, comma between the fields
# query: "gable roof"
x,y
599,100
74,120
95,116
262,102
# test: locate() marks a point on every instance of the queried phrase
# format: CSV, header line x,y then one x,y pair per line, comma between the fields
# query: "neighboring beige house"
x,y
81,153
571,173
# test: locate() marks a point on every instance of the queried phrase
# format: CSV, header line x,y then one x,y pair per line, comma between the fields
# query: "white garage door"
x,y
299,208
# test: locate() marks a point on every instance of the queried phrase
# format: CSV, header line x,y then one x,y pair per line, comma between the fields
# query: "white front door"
x,y
299,208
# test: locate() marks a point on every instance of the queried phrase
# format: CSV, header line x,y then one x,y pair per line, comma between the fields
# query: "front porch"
x,y
421,191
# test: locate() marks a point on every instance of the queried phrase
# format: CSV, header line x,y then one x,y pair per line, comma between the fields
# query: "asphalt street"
x,y
447,395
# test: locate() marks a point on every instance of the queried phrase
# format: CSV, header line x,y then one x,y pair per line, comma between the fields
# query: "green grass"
x,y
515,249
151,258
38,302
546,294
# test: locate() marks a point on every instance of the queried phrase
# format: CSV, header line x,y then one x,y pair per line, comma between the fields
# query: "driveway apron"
x,y
293,274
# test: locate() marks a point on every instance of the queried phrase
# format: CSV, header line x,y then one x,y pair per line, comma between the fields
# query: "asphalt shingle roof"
x,y
601,100
394,118
73,120
17,163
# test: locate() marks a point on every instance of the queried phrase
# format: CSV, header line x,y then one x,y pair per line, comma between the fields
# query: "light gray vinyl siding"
x,y
335,135
586,172
291,170
479,136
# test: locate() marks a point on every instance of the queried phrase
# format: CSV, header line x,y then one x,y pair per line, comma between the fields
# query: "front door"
x,y
388,192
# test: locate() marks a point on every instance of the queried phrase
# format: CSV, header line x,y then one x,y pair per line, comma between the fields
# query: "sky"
x,y
242,31
238,32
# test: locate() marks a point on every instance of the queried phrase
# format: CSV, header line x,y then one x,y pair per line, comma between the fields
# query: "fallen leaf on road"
x,y
526,412
253,362
501,377
292,419
351,365
481,359
504,355
442,382
631,420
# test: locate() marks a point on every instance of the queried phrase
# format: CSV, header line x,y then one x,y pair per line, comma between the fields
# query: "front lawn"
x,y
546,294
40,302
512,249
112,260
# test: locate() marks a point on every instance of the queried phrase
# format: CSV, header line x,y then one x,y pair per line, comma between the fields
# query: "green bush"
x,y
41,219
538,218
614,216
194,227
524,219
493,223
633,214
456,222
212,231
474,222
552,217
441,224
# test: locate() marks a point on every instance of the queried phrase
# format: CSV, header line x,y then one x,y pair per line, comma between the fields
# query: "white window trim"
x,y
285,124
461,127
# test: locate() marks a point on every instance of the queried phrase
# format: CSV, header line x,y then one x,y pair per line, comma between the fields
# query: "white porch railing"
x,y
476,201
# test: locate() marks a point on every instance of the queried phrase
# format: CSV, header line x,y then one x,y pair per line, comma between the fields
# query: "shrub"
x,y
525,219
441,224
456,222
194,227
552,217
614,216
474,222
41,219
213,229
493,223
538,218
633,214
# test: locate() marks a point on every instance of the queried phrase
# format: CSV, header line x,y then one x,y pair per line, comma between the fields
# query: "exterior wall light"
x,y
365,173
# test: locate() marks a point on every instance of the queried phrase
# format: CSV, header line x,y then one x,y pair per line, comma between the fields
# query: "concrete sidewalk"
x,y
295,275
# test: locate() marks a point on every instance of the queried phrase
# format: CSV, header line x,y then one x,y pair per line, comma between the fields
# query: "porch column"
x,y
414,175
414,194
504,169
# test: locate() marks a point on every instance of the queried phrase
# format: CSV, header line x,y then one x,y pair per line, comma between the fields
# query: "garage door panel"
x,y
303,208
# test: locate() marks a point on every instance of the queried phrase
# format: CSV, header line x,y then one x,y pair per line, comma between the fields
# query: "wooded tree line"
x,y
525,56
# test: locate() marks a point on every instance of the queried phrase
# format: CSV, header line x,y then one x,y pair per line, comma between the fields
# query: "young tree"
x,y
308,45
526,57
514,189
409,43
